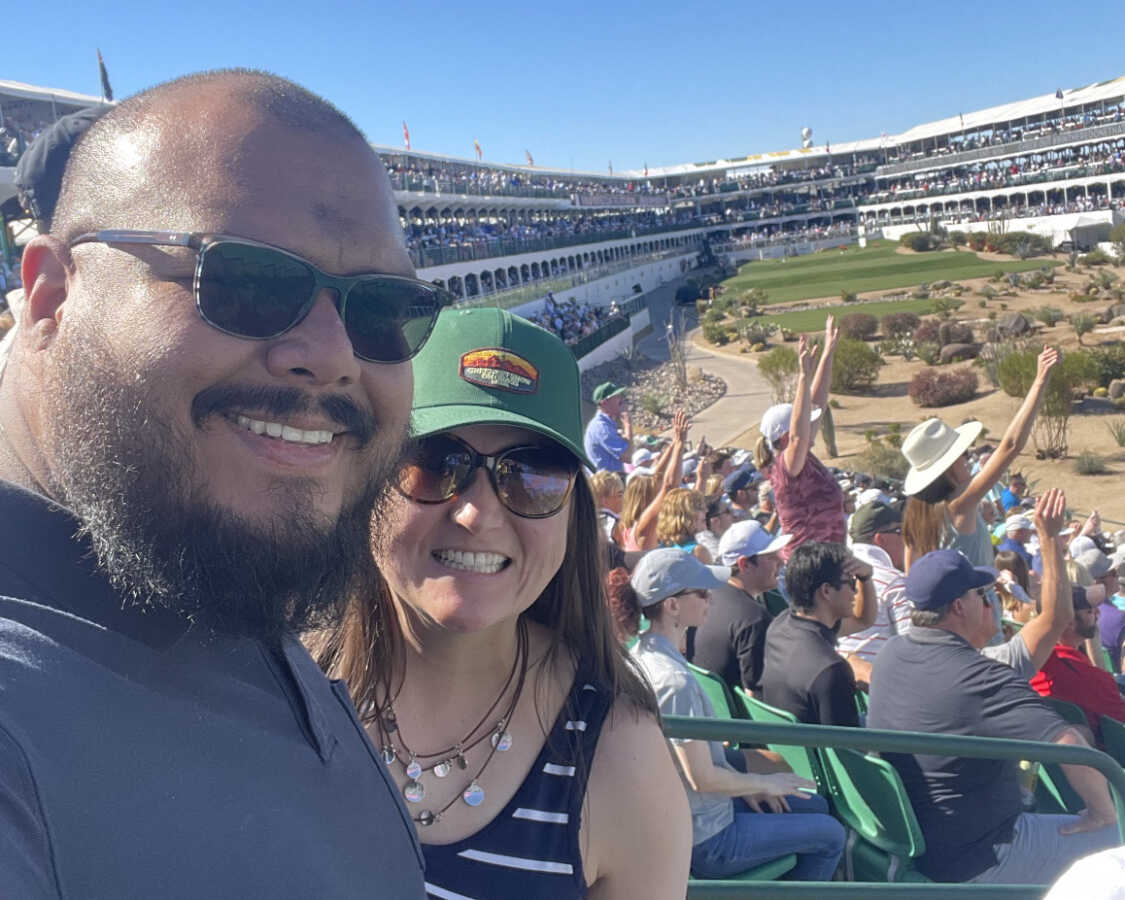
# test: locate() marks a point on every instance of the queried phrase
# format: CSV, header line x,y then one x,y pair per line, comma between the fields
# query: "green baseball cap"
x,y
605,390
486,366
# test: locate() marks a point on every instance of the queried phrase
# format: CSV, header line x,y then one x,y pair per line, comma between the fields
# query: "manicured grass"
x,y
876,268
802,320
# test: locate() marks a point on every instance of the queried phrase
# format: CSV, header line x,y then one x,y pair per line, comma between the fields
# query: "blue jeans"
x,y
1038,854
756,838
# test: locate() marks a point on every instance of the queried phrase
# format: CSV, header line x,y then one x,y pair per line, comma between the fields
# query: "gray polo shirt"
x,y
139,759
679,694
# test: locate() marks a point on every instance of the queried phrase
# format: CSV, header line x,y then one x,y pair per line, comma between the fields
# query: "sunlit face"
x,y
1086,622
978,611
469,564
692,607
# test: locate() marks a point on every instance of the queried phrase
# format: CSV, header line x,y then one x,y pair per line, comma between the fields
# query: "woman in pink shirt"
x,y
809,502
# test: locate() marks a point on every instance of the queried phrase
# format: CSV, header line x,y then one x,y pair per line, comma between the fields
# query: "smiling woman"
x,y
483,660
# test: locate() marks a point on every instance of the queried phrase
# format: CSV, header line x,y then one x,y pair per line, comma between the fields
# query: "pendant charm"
x,y
413,769
443,768
462,763
426,818
414,792
474,795
390,723
389,754
502,741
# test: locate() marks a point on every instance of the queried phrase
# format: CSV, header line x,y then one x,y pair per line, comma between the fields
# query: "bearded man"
x,y
209,385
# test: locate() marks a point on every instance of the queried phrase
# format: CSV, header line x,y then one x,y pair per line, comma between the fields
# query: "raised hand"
x,y
806,356
680,426
831,332
1048,359
1050,513
857,568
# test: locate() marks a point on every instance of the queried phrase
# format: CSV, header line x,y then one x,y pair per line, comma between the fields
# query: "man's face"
x,y
1017,487
147,433
892,542
1086,622
613,406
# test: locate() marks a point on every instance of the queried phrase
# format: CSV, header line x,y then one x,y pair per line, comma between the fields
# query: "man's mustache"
x,y
282,402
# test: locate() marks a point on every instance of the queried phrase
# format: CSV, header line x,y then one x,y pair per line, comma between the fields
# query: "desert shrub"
x,y
932,387
946,306
848,296
988,291
954,333
653,403
1081,298
712,315
756,332
897,346
927,332
1109,362
1117,431
1048,315
779,368
977,240
1090,463
1021,243
861,326
1082,324
957,238
881,460
715,333
1076,370
1117,238
899,324
928,351
920,241
1095,258
855,367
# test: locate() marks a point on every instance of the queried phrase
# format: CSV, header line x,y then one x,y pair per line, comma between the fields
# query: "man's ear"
x,y
45,271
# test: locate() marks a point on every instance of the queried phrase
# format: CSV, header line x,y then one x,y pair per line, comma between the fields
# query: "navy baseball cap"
x,y
940,577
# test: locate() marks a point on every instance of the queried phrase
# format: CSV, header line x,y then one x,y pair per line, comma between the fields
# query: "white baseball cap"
x,y
748,538
1017,523
775,422
1080,545
641,456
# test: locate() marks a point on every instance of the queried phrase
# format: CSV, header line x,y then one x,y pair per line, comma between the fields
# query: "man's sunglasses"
x,y
253,290
531,481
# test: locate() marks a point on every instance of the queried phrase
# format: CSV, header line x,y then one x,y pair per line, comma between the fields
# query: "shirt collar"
x,y
927,634
816,626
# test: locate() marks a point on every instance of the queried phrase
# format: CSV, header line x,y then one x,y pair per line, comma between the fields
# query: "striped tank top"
x,y
531,850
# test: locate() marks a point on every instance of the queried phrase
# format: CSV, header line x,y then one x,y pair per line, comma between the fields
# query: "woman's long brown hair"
x,y
367,649
924,517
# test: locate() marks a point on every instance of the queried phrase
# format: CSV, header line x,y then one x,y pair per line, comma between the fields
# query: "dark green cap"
x,y
605,390
486,366
872,518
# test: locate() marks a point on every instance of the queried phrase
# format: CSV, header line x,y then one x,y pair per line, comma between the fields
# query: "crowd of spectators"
x,y
953,602
20,124
570,320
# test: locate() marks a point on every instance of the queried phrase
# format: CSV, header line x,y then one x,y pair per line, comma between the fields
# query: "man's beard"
x,y
121,467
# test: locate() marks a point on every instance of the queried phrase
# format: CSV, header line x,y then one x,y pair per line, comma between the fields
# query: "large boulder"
x,y
1117,388
959,352
954,333
940,285
1012,325
1117,310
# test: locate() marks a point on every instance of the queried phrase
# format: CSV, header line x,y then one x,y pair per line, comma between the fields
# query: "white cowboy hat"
x,y
931,448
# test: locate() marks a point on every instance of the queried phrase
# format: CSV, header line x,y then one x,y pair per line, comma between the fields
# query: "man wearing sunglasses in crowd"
x,y
210,384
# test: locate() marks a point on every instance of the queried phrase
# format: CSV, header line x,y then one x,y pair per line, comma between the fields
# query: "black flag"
x,y
107,91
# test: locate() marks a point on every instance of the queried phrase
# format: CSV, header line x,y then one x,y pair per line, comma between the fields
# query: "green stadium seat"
x,y
1113,738
861,704
1072,712
869,798
716,690
802,760
770,871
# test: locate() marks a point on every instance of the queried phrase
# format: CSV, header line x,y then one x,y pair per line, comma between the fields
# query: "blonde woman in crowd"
x,y
644,494
682,516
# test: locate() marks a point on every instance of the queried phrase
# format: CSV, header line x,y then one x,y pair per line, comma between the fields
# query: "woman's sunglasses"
x,y
531,481
253,290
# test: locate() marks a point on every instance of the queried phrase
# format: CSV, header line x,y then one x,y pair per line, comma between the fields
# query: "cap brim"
x,y
434,419
918,479
984,576
776,544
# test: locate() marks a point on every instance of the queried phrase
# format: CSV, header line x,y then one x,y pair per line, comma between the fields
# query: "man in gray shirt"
x,y
199,409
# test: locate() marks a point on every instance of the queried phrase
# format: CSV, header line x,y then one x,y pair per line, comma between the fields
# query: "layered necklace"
x,y
441,763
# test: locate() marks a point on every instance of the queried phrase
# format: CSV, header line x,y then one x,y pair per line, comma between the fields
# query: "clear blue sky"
x,y
585,83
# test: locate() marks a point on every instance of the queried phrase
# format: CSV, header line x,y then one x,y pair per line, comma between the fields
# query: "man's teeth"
x,y
285,432
485,563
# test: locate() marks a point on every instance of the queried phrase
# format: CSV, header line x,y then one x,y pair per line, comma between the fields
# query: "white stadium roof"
x,y
46,95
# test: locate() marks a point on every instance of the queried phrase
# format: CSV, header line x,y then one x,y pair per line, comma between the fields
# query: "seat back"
x,y
1071,712
1113,738
802,760
775,602
716,690
869,796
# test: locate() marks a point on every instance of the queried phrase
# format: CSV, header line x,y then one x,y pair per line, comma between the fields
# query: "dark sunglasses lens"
x,y
388,319
435,470
535,481
252,291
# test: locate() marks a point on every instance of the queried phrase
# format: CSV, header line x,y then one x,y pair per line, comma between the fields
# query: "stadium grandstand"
x,y
516,235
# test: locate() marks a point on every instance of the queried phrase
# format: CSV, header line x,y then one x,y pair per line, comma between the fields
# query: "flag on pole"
x,y
611,167
530,161
405,134
1058,94
476,146
646,170
107,91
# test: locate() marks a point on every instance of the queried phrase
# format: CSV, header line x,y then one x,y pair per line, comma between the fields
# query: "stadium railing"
x,y
866,739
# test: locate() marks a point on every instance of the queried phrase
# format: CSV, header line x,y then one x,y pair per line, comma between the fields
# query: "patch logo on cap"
x,y
493,367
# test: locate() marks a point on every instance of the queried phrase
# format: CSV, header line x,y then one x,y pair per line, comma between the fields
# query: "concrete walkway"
x,y
748,393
